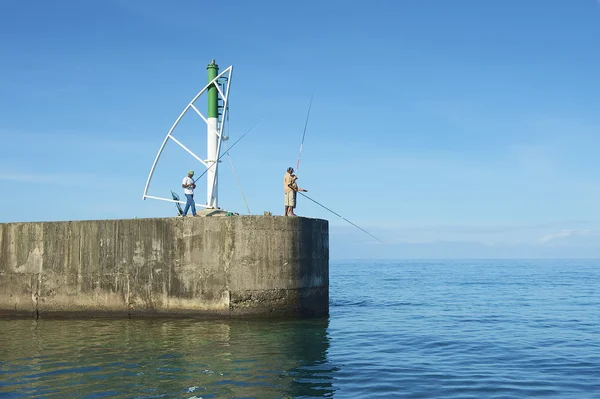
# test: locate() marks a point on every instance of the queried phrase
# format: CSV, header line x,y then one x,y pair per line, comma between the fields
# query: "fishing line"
x,y
304,134
227,151
232,168
337,214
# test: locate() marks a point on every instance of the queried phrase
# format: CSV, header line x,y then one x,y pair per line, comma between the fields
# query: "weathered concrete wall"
x,y
170,266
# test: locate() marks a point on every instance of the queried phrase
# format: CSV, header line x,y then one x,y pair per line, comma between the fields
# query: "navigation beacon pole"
x,y
212,138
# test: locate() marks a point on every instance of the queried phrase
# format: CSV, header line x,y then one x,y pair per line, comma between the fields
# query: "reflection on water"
x,y
423,329
157,358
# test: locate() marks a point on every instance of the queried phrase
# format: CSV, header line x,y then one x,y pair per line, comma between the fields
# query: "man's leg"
x,y
287,203
187,205
193,204
293,203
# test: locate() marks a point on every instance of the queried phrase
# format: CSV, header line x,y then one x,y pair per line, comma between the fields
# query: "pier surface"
x,y
192,266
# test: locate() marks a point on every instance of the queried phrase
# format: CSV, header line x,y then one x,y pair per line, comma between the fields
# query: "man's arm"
x,y
294,186
192,184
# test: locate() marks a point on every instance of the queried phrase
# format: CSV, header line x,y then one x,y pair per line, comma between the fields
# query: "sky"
x,y
447,129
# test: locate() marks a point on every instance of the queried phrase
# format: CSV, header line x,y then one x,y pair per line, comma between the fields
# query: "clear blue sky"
x,y
446,128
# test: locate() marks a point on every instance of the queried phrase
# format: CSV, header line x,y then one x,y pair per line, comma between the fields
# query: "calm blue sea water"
x,y
411,329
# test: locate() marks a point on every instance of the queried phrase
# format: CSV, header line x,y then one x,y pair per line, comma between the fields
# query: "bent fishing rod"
x,y
227,151
337,214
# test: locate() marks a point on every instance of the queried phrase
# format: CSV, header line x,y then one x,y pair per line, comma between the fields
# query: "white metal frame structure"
x,y
222,82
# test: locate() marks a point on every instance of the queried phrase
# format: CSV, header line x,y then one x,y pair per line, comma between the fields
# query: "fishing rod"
x,y
298,165
227,151
304,134
337,214
176,197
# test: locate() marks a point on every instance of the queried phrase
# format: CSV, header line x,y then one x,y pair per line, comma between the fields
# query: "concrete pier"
x,y
199,267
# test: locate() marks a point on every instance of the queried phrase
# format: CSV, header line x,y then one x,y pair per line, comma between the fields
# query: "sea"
x,y
396,329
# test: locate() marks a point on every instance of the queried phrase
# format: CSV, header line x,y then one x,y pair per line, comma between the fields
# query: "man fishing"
x,y
188,188
290,188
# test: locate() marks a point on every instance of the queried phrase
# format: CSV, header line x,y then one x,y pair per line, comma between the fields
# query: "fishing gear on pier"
x,y
177,202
